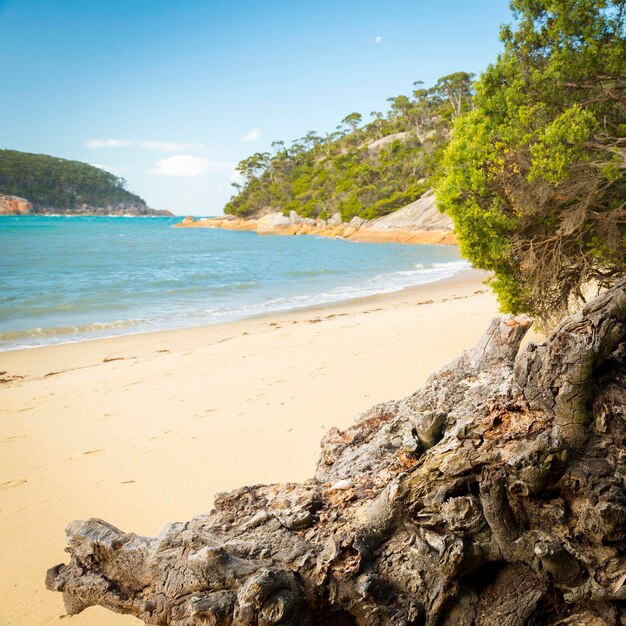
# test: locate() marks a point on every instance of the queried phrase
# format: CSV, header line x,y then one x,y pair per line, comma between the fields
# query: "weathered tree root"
x,y
495,495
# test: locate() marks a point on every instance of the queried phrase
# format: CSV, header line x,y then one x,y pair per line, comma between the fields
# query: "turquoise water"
x,y
72,278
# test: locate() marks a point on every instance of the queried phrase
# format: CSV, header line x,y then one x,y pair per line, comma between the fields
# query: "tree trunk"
x,y
495,495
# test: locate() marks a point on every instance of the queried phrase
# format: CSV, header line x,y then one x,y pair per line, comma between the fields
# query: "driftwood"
x,y
495,495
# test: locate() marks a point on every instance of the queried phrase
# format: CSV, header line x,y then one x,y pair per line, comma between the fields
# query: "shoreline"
x,y
144,429
270,313
357,230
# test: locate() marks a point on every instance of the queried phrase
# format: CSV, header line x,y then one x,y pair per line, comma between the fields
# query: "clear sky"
x,y
172,94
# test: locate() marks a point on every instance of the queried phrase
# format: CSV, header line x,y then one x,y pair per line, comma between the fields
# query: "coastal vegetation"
x,y
51,183
362,169
534,175
528,161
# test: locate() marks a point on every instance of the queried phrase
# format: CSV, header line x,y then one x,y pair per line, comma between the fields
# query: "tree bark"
x,y
495,495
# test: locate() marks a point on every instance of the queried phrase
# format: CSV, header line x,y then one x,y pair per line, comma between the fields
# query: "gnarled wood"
x,y
494,495
557,376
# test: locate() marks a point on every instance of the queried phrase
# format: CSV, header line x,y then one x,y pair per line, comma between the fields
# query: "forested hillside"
x,y
364,169
57,185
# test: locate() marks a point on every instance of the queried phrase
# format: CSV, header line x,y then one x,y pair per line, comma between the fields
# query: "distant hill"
x,y
364,170
42,184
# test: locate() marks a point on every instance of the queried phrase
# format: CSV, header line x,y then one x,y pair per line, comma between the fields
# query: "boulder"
x,y
272,222
379,144
356,222
14,205
347,231
334,219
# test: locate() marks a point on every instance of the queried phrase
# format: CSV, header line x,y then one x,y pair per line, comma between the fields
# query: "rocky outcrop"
x,y
12,205
379,144
227,222
493,496
419,215
273,223
121,208
334,220
419,222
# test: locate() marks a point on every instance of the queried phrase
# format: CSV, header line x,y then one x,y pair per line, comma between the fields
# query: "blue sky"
x,y
171,95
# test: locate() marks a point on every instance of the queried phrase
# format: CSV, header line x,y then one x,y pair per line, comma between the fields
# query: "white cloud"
x,y
252,135
94,144
187,165
118,170
378,39
157,146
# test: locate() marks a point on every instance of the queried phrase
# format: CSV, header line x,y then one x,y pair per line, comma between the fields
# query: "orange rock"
x,y
274,225
218,222
13,205
398,235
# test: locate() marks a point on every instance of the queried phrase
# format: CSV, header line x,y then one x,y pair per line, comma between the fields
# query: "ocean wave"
x,y
379,284
452,264
63,331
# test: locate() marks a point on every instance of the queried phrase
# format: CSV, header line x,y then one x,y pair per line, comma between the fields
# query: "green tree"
x,y
399,105
254,165
377,124
352,120
456,90
312,140
534,176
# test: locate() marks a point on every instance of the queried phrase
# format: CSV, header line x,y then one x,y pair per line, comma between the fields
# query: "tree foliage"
x,y
534,175
51,182
346,171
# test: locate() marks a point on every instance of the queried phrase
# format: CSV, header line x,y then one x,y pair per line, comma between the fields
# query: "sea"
x,y
68,278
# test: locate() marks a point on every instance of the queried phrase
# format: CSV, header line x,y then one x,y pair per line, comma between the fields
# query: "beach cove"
x,y
142,430
94,277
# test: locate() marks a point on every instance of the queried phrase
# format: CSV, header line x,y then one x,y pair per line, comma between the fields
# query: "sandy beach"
x,y
142,430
